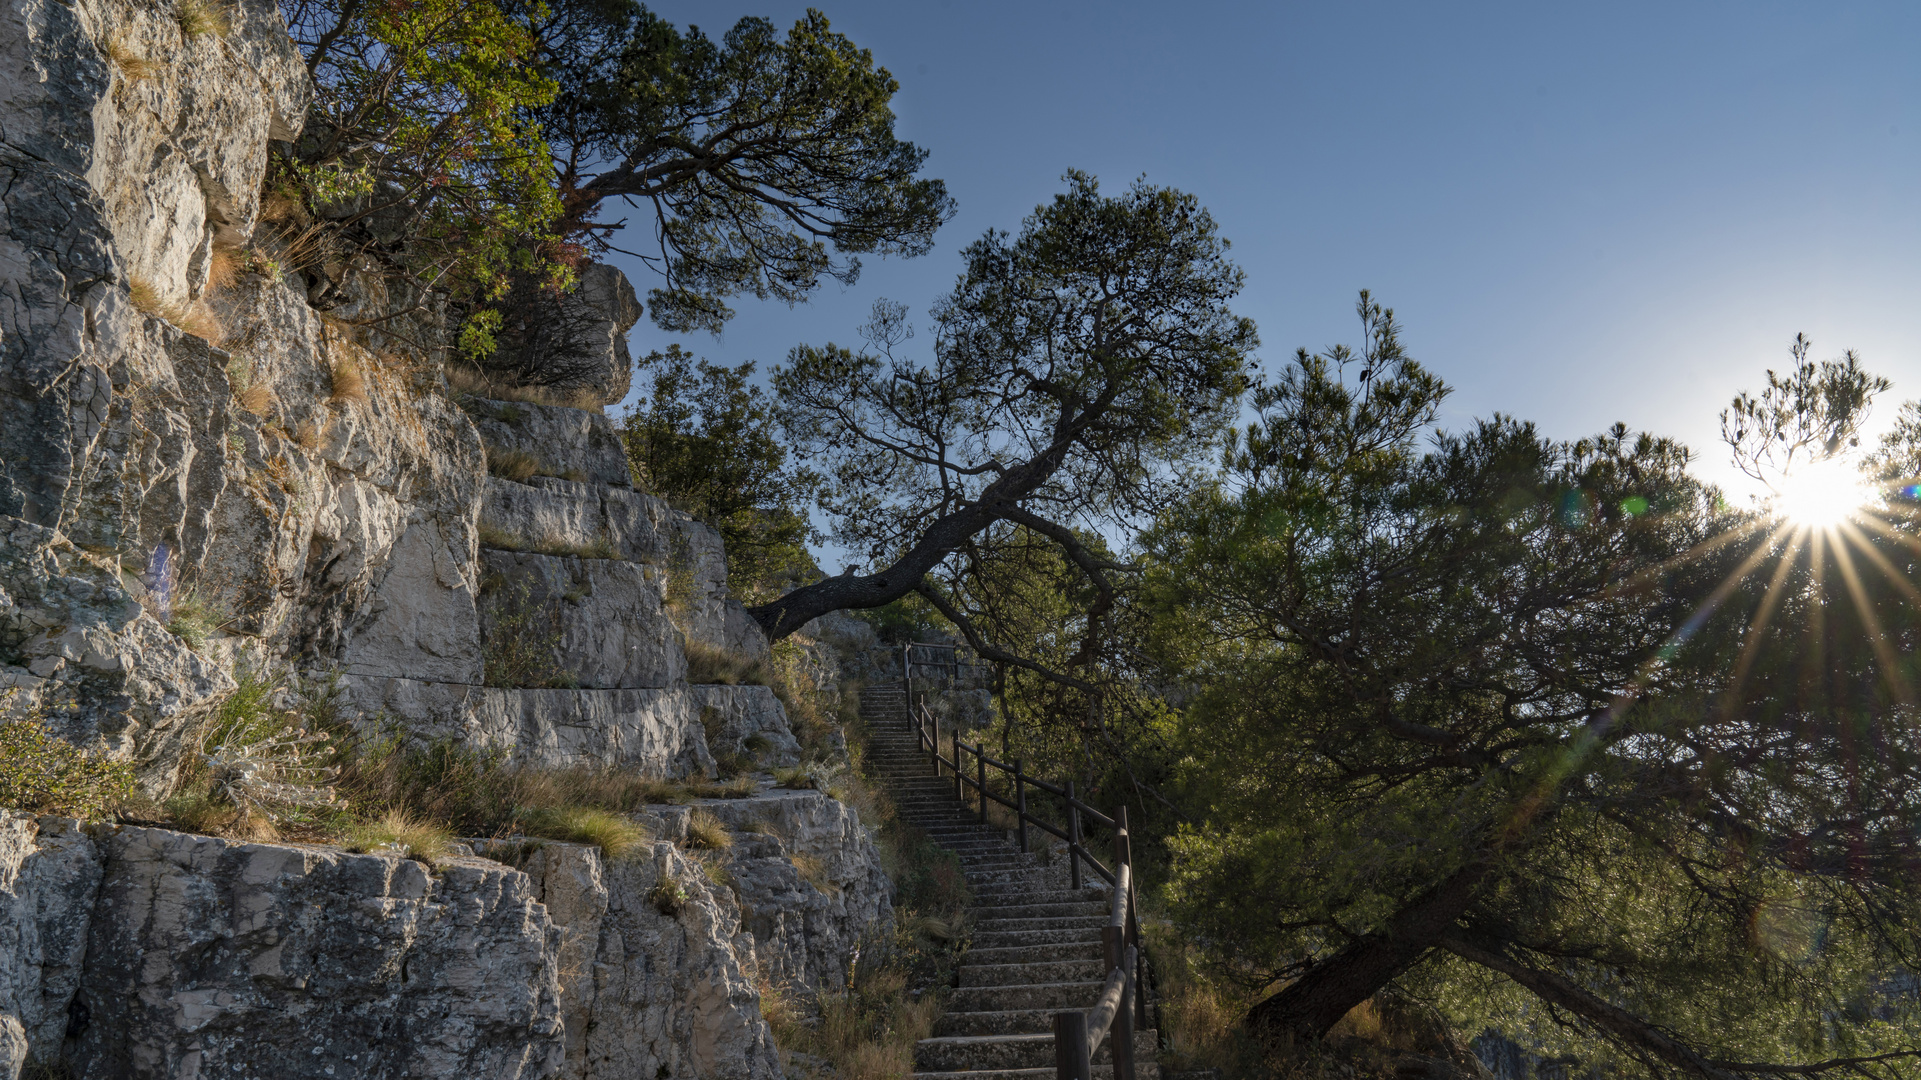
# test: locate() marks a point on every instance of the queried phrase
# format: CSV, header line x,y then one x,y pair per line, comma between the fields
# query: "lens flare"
x,y
1822,494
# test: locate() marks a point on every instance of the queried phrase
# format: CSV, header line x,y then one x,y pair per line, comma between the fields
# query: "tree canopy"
x,y
1075,369
757,158
477,146
1507,720
703,439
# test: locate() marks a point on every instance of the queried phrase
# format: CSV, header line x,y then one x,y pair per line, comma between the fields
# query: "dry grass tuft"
x,y
713,665
466,380
668,896
144,295
282,208
499,539
415,837
717,872
198,320
349,384
256,398
705,831
516,465
224,267
814,872
867,1031
199,17
616,835
131,64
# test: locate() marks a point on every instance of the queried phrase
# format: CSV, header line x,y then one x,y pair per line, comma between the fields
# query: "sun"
x,y
1822,494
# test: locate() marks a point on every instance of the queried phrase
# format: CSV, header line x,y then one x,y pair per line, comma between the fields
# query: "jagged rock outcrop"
x,y
194,460
215,957
49,873
810,885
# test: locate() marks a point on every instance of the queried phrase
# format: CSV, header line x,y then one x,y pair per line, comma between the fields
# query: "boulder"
x,y
214,957
656,732
572,444
733,714
601,620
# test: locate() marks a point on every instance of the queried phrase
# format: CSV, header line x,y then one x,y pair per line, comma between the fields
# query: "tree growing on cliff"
x,y
419,145
702,437
1074,370
1513,720
474,145
763,162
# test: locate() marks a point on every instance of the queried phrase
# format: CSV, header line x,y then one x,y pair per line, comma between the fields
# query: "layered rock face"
x,y
196,462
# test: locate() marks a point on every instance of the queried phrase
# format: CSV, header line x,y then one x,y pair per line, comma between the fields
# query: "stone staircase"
x,y
1036,945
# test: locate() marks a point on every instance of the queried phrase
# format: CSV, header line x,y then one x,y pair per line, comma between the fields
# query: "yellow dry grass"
x,y
128,60
144,295
224,266
704,830
257,398
464,379
349,383
201,17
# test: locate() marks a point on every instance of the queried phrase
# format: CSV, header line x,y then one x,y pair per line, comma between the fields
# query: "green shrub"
x,y
42,772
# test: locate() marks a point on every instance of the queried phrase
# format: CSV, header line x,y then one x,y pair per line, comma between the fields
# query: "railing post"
x,y
1124,853
1120,1037
1073,839
960,775
1020,802
1070,1046
980,759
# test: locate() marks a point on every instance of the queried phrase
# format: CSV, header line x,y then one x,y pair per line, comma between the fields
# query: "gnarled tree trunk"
x,y
1315,1002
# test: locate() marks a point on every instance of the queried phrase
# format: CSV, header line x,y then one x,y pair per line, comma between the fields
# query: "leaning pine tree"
x,y
1545,734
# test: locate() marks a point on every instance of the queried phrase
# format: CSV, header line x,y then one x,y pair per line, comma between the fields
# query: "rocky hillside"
x,y
200,471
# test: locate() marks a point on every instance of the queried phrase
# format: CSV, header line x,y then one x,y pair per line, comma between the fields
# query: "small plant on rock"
x,y
668,896
200,17
713,665
41,771
522,643
194,619
704,830
128,59
400,831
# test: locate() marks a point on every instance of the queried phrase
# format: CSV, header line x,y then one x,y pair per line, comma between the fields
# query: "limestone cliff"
x,y
180,432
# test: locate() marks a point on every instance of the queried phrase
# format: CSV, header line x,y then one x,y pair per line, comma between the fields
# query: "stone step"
x,y
1054,885
1053,971
1051,922
996,860
1023,1051
988,905
1034,954
1022,939
1087,909
1024,876
1073,995
999,1022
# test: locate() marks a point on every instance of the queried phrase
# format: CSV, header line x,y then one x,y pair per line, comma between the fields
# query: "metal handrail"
x,y
1077,1034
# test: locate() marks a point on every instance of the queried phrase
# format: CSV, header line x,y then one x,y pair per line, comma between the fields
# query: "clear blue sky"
x,y
1582,213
